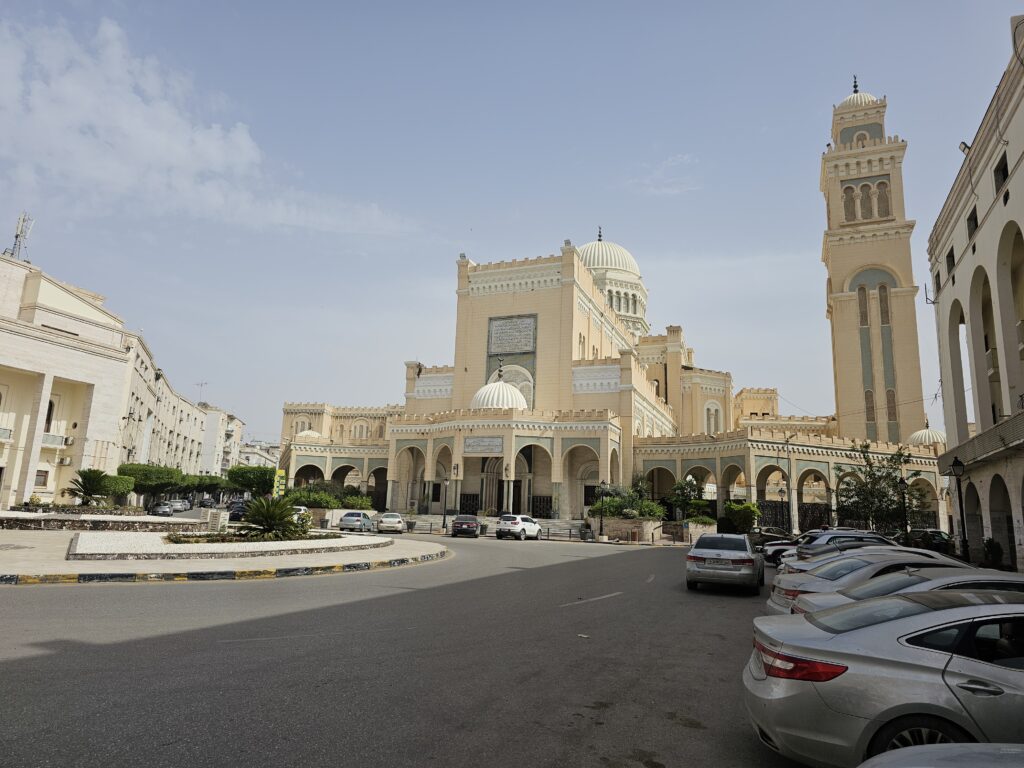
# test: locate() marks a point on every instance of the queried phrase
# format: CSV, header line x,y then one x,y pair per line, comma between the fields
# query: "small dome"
x,y
927,436
602,254
309,433
858,100
499,394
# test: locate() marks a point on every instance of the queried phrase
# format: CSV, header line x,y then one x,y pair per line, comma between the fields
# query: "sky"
x,y
276,194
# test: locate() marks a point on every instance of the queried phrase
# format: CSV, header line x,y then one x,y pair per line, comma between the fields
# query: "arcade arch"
x,y
306,474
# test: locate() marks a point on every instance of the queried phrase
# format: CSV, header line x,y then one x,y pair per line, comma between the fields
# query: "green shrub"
x,y
272,520
357,502
306,497
701,520
742,516
88,487
118,486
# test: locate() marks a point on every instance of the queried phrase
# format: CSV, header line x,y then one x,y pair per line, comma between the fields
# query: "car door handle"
x,y
980,688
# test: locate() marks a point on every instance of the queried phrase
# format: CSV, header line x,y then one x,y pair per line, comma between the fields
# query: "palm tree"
x,y
89,486
272,519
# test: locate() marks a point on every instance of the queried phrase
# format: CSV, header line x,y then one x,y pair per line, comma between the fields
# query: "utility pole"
x,y
201,385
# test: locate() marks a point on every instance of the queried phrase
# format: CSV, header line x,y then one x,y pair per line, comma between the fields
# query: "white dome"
x,y
601,254
927,436
309,433
499,394
858,99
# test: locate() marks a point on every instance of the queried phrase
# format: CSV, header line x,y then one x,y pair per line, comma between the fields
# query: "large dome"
x,y
927,436
499,394
602,254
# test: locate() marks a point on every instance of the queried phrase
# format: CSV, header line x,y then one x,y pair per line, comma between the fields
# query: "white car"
x,y
179,505
391,521
517,527
725,558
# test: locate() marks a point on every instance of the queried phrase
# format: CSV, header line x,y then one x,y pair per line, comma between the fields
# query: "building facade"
x,y
557,386
259,454
78,390
976,259
222,448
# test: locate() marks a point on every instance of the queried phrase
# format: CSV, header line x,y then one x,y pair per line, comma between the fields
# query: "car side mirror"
x,y
759,549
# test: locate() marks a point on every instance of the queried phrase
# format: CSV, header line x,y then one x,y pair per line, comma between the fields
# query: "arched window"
x,y
866,211
657,388
633,307
862,304
860,140
849,207
611,299
890,404
883,303
618,301
582,348
380,431
883,200
713,419
49,417
869,406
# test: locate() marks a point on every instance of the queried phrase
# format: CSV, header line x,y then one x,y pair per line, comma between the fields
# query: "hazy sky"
x,y
276,193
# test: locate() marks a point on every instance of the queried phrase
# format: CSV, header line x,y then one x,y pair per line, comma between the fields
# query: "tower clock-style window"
x,y
890,404
869,406
884,210
883,303
849,207
862,304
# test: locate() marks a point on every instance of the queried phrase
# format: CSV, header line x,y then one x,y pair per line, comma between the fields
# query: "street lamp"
x,y
444,506
604,490
902,483
957,470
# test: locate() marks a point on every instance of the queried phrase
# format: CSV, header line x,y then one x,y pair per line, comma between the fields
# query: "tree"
x,y
873,494
88,487
118,487
150,478
631,502
273,520
259,481
742,516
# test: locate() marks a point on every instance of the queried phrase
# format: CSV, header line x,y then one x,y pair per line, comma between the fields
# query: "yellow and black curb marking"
x,y
249,575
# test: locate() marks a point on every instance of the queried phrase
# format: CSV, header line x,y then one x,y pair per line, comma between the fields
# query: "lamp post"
x,y
902,483
444,506
782,507
957,469
604,490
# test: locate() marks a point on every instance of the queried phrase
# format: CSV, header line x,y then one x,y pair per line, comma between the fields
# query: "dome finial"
x,y
501,373
926,424
855,88
599,234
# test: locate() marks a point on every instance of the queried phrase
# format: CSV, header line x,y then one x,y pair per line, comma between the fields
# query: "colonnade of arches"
x,y
626,302
997,513
867,201
986,337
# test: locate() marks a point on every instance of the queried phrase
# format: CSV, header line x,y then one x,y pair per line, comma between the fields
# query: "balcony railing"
x,y
53,441
5,433
1006,437
992,364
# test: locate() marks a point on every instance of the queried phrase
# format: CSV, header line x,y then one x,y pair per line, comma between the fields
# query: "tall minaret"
x,y
866,250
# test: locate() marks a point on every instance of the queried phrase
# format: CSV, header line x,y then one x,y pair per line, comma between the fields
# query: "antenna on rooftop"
x,y
21,234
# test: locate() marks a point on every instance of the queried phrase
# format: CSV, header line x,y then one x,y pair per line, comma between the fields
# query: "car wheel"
x,y
760,581
691,585
755,590
476,535
522,535
537,537
914,731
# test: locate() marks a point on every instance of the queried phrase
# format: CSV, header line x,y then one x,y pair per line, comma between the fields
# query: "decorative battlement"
x,y
869,144
495,266
343,410
487,414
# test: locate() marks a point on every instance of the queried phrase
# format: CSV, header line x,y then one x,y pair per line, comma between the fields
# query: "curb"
x,y
239,575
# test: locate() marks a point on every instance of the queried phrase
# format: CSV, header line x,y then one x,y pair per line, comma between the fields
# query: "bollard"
x,y
652,538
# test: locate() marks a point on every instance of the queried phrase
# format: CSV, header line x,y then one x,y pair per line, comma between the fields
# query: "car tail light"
x,y
777,664
515,522
793,594
797,609
747,561
694,558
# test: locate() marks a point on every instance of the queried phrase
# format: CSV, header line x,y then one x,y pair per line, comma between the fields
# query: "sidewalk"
x,y
35,557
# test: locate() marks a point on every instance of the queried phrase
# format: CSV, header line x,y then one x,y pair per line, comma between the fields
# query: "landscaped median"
x,y
42,557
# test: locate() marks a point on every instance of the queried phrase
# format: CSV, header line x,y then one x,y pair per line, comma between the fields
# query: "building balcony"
x,y
1005,439
992,364
53,441
5,433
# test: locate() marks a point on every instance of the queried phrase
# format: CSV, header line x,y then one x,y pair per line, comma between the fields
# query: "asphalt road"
x,y
509,654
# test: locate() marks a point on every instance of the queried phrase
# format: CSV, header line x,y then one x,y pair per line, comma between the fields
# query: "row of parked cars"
x,y
872,646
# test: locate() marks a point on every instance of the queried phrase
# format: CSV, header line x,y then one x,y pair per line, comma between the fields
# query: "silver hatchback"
x,y
835,687
724,558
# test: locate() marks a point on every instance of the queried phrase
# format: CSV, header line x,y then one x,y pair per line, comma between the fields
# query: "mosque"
x,y
558,385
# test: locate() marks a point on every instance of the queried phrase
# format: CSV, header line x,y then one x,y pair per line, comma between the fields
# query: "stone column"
x,y
391,495
34,443
363,486
556,500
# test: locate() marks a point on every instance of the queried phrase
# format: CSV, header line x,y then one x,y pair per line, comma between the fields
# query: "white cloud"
x,y
669,177
99,130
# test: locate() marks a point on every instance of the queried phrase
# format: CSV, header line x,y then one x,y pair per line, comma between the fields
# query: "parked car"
x,y
178,505
298,510
835,540
843,574
928,538
466,525
355,521
161,508
798,566
517,527
761,535
773,551
912,580
835,687
951,756
779,551
236,510
391,521
724,558
207,504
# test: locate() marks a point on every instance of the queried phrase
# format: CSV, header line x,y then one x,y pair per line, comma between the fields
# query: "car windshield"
x,y
836,570
805,538
508,518
353,514
390,516
721,542
883,585
865,613
465,519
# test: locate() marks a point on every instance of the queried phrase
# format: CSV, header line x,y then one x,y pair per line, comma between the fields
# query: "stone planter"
x,y
410,526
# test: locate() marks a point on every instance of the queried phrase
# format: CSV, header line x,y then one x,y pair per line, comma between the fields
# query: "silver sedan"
x,y
724,558
833,688
842,574
391,521
913,580
798,566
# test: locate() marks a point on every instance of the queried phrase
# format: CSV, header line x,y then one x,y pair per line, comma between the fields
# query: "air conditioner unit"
x,y
64,461
69,440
